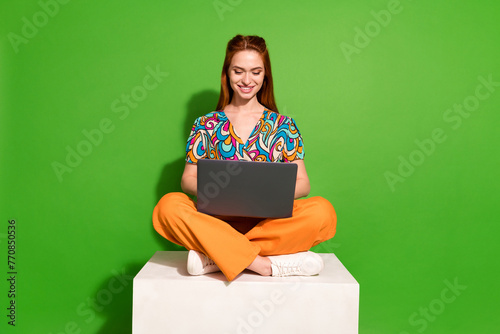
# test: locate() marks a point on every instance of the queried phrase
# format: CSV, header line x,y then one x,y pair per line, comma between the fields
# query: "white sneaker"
x,y
298,264
199,264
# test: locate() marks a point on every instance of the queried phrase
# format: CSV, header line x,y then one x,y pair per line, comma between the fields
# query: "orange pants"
x,y
233,245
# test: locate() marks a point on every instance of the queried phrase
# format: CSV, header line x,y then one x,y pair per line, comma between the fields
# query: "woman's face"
x,y
246,74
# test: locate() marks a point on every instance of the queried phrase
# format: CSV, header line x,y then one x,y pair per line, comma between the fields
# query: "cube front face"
x,y
168,300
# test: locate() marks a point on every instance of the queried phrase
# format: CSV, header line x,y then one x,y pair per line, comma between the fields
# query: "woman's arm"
x,y
189,179
302,186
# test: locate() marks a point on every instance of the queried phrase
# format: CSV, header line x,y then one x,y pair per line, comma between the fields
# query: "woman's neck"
x,y
246,106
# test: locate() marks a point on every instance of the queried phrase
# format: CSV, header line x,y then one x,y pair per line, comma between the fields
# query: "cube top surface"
x,y
171,265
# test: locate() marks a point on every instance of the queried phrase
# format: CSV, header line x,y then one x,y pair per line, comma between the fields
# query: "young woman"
x,y
246,126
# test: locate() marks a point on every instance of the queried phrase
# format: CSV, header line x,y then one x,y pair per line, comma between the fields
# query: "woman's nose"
x,y
246,79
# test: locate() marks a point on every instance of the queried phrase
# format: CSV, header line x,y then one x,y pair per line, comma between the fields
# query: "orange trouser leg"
x,y
175,218
314,220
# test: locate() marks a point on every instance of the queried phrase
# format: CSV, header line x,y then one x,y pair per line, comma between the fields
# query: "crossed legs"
x,y
175,218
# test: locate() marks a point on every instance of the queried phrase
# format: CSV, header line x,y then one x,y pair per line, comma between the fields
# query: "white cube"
x,y
169,300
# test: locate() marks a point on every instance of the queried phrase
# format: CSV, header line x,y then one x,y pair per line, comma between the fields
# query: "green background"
x,y
359,114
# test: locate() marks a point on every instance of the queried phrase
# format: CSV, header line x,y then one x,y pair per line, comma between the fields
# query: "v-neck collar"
x,y
238,138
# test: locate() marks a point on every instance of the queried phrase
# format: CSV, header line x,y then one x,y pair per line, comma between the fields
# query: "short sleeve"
x,y
195,147
294,145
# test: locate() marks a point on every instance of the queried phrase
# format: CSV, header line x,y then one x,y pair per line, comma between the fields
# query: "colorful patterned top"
x,y
275,138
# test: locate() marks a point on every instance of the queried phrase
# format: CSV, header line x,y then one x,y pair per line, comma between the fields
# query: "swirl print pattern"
x,y
275,138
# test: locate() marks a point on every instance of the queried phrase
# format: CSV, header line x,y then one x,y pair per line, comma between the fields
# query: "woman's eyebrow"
x,y
252,69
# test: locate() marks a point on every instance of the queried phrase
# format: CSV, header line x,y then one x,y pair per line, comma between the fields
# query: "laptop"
x,y
235,188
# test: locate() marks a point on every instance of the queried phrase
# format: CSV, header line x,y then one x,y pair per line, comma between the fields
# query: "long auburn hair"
x,y
266,93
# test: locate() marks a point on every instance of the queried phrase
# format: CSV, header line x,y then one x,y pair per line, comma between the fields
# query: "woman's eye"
x,y
237,72
256,73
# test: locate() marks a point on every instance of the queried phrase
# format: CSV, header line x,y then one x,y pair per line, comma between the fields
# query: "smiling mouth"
x,y
246,89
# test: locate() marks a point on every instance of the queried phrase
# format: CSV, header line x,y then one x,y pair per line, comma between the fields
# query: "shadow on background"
x,y
113,300
170,178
